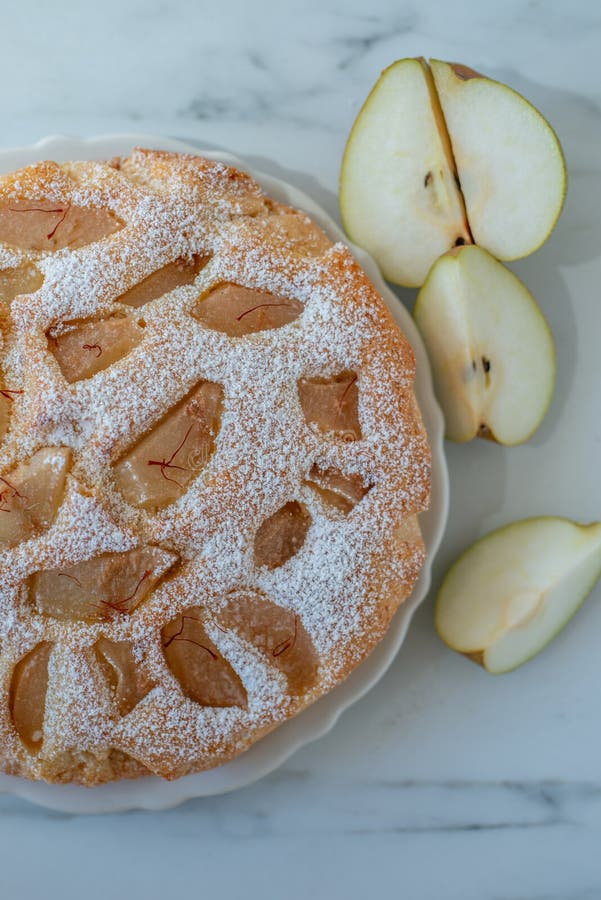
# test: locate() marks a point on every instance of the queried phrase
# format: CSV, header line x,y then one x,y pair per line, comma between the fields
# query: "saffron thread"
x,y
197,644
6,495
178,637
259,306
63,210
34,209
344,394
288,643
93,347
59,223
169,464
7,394
346,390
72,577
119,604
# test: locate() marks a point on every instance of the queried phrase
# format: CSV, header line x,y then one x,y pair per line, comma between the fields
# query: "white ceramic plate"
x,y
266,755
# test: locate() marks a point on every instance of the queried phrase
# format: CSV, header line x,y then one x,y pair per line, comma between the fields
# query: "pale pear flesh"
x,y
398,192
30,495
508,158
512,591
332,404
441,156
491,350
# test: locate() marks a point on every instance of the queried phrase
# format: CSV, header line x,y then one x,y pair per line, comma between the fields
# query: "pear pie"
x,y
211,461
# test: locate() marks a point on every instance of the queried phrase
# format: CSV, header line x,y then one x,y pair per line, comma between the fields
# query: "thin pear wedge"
x,y
509,161
491,350
515,589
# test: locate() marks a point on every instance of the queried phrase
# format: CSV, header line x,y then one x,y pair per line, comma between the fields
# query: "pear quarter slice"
x,y
398,192
491,350
509,160
516,588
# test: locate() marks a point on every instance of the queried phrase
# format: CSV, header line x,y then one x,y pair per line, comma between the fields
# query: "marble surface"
x,y
443,783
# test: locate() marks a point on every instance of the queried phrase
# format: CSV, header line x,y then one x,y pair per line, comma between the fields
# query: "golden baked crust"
x,y
299,498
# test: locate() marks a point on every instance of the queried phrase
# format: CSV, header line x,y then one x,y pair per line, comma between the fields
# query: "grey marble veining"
x,y
298,833
305,64
443,783
371,806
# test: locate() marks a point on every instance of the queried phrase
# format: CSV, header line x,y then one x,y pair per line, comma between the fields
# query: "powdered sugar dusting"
x,y
351,571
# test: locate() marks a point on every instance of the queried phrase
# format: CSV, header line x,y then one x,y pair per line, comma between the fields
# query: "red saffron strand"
x,y
346,390
104,604
35,209
98,606
7,394
344,393
286,644
93,347
259,306
12,487
72,577
59,223
63,210
178,636
166,465
6,495
169,464
120,603
181,628
186,640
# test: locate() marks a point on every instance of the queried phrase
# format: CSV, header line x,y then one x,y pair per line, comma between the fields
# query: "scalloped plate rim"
x,y
153,793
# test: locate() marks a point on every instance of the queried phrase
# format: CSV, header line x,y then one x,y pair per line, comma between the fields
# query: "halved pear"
x,y
398,193
441,156
491,350
516,588
509,161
